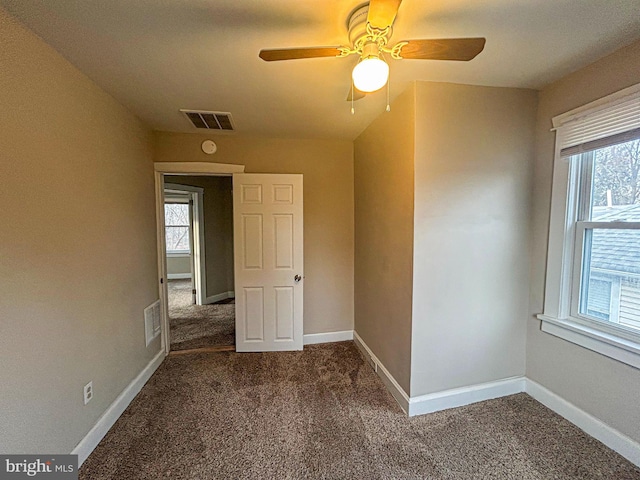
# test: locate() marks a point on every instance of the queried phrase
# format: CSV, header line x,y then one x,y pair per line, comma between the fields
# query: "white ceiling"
x,y
158,56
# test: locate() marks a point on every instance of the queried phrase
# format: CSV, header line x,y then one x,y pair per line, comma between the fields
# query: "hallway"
x,y
198,326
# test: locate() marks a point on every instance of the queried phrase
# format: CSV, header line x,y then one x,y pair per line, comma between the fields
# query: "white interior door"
x,y
268,254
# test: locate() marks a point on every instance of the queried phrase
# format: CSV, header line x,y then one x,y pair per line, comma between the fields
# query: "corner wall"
x,y
327,166
78,246
383,165
602,387
474,149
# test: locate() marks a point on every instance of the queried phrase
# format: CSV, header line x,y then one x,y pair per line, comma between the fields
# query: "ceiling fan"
x,y
370,28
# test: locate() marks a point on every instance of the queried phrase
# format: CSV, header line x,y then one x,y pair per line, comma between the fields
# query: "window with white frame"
x,y
593,268
176,224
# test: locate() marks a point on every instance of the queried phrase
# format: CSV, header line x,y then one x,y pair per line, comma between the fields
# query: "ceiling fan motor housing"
x,y
361,35
370,50
357,24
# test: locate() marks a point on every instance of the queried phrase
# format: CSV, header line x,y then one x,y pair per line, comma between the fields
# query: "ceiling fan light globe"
x,y
370,74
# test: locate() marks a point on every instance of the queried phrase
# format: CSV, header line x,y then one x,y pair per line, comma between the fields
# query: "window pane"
x,y
616,183
176,214
610,289
177,239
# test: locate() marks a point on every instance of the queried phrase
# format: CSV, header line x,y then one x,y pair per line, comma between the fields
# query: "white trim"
x,y
179,188
178,168
162,261
612,345
197,261
459,397
445,399
115,410
199,257
612,438
392,385
171,254
218,297
173,198
594,427
197,168
178,276
329,337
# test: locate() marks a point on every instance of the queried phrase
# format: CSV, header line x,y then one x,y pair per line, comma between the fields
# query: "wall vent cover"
x,y
205,120
152,318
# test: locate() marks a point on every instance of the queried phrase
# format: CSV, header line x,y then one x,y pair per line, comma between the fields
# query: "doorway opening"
x,y
173,180
266,216
198,214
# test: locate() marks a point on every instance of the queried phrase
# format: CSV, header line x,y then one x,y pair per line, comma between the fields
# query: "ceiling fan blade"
x,y
357,95
297,53
382,13
462,49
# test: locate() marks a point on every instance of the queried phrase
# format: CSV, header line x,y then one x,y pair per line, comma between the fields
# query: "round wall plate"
x,y
209,147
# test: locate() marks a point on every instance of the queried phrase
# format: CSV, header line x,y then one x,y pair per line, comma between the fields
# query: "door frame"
x,y
177,168
196,233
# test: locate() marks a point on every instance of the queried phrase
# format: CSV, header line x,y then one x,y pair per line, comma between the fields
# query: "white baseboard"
x,y
445,399
612,438
458,397
617,441
219,297
109,417
178,276
329,337
392,385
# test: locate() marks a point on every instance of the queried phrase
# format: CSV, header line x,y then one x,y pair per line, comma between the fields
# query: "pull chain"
x,y
388,88
353,110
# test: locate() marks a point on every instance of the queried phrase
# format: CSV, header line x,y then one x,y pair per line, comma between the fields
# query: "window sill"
x,y
621,349
178,254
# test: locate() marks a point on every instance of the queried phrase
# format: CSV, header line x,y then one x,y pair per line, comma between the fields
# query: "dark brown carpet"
x,y
198,326
323,413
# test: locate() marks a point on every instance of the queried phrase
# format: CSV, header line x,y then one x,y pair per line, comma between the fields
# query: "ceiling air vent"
x,y
210,120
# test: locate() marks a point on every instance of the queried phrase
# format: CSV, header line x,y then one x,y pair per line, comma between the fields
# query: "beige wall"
x,y
218,229
327,167
474,152
77,246
603,387
178,265
383,159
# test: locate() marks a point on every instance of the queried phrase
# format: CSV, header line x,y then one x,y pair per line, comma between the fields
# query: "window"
x,y
176,221
593,268
607,236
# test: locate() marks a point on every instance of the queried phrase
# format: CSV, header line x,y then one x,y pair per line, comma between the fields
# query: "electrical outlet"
x,y
88,392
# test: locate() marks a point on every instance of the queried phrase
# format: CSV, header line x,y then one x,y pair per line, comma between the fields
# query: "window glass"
x,y
610,275
176,219
616,183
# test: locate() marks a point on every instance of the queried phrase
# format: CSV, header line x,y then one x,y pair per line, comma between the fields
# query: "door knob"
x,y
297,278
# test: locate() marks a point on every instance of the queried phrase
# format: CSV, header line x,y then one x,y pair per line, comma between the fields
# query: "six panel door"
x,y
268,256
